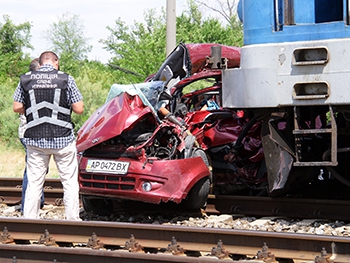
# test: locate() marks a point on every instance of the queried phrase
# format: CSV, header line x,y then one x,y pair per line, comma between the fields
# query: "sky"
x,y
95,15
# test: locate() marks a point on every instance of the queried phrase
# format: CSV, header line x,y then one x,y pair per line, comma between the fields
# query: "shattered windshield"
x,y
147,91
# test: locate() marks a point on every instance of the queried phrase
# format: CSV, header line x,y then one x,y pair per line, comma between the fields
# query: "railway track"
x,y
67,241
283,207
95,241
10,189
11,192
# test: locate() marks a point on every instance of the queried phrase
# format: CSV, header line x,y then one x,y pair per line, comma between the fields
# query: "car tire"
x,y
198,195
100,206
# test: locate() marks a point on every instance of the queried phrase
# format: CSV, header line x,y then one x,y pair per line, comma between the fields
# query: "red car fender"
x,y
171,180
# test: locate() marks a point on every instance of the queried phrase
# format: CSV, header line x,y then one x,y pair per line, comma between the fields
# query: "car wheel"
x,y
100,206
198,195
199,152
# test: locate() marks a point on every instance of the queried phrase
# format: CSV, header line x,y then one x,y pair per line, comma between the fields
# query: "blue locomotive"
x,y
294,77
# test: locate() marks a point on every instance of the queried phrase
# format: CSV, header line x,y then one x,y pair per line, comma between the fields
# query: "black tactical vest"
x,y
47,109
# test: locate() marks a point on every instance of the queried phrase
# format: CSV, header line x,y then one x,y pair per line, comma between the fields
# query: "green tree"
x,y
141,48
192,27
226,9
14,38
138,48
67,38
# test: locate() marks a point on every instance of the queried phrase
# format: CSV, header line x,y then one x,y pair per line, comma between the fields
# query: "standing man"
x,y
47,97
34,65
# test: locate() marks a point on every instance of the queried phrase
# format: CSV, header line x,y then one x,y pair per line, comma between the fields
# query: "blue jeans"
x,y
25,183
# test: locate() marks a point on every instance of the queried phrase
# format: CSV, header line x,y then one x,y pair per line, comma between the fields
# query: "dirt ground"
x,y
12,164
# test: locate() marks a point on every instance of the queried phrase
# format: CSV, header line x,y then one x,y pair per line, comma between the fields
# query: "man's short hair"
x,y
48,55
34,64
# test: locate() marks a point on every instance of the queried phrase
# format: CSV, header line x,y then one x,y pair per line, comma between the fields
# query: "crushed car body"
x,y
135,148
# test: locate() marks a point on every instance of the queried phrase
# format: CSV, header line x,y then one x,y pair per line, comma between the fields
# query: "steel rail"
x,y
17,182
36,254
11,191
282,245
284,207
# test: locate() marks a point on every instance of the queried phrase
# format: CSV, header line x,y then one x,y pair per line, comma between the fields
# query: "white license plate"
x,y
105,166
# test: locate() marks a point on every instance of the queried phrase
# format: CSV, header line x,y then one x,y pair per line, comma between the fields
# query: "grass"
x,y
12,163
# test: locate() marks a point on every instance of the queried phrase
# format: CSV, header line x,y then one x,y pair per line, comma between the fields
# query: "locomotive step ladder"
x,y
299,133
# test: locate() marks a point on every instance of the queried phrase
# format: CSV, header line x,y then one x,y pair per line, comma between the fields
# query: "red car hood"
x,y
112,119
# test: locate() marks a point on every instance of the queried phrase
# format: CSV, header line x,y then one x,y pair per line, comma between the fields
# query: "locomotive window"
x,y
292,12
328,10
284,13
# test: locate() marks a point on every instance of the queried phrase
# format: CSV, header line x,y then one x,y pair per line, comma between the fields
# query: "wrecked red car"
x,y
230,138
135,147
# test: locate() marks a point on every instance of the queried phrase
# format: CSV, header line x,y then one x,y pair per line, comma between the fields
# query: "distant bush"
x,y
8,119
93,80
